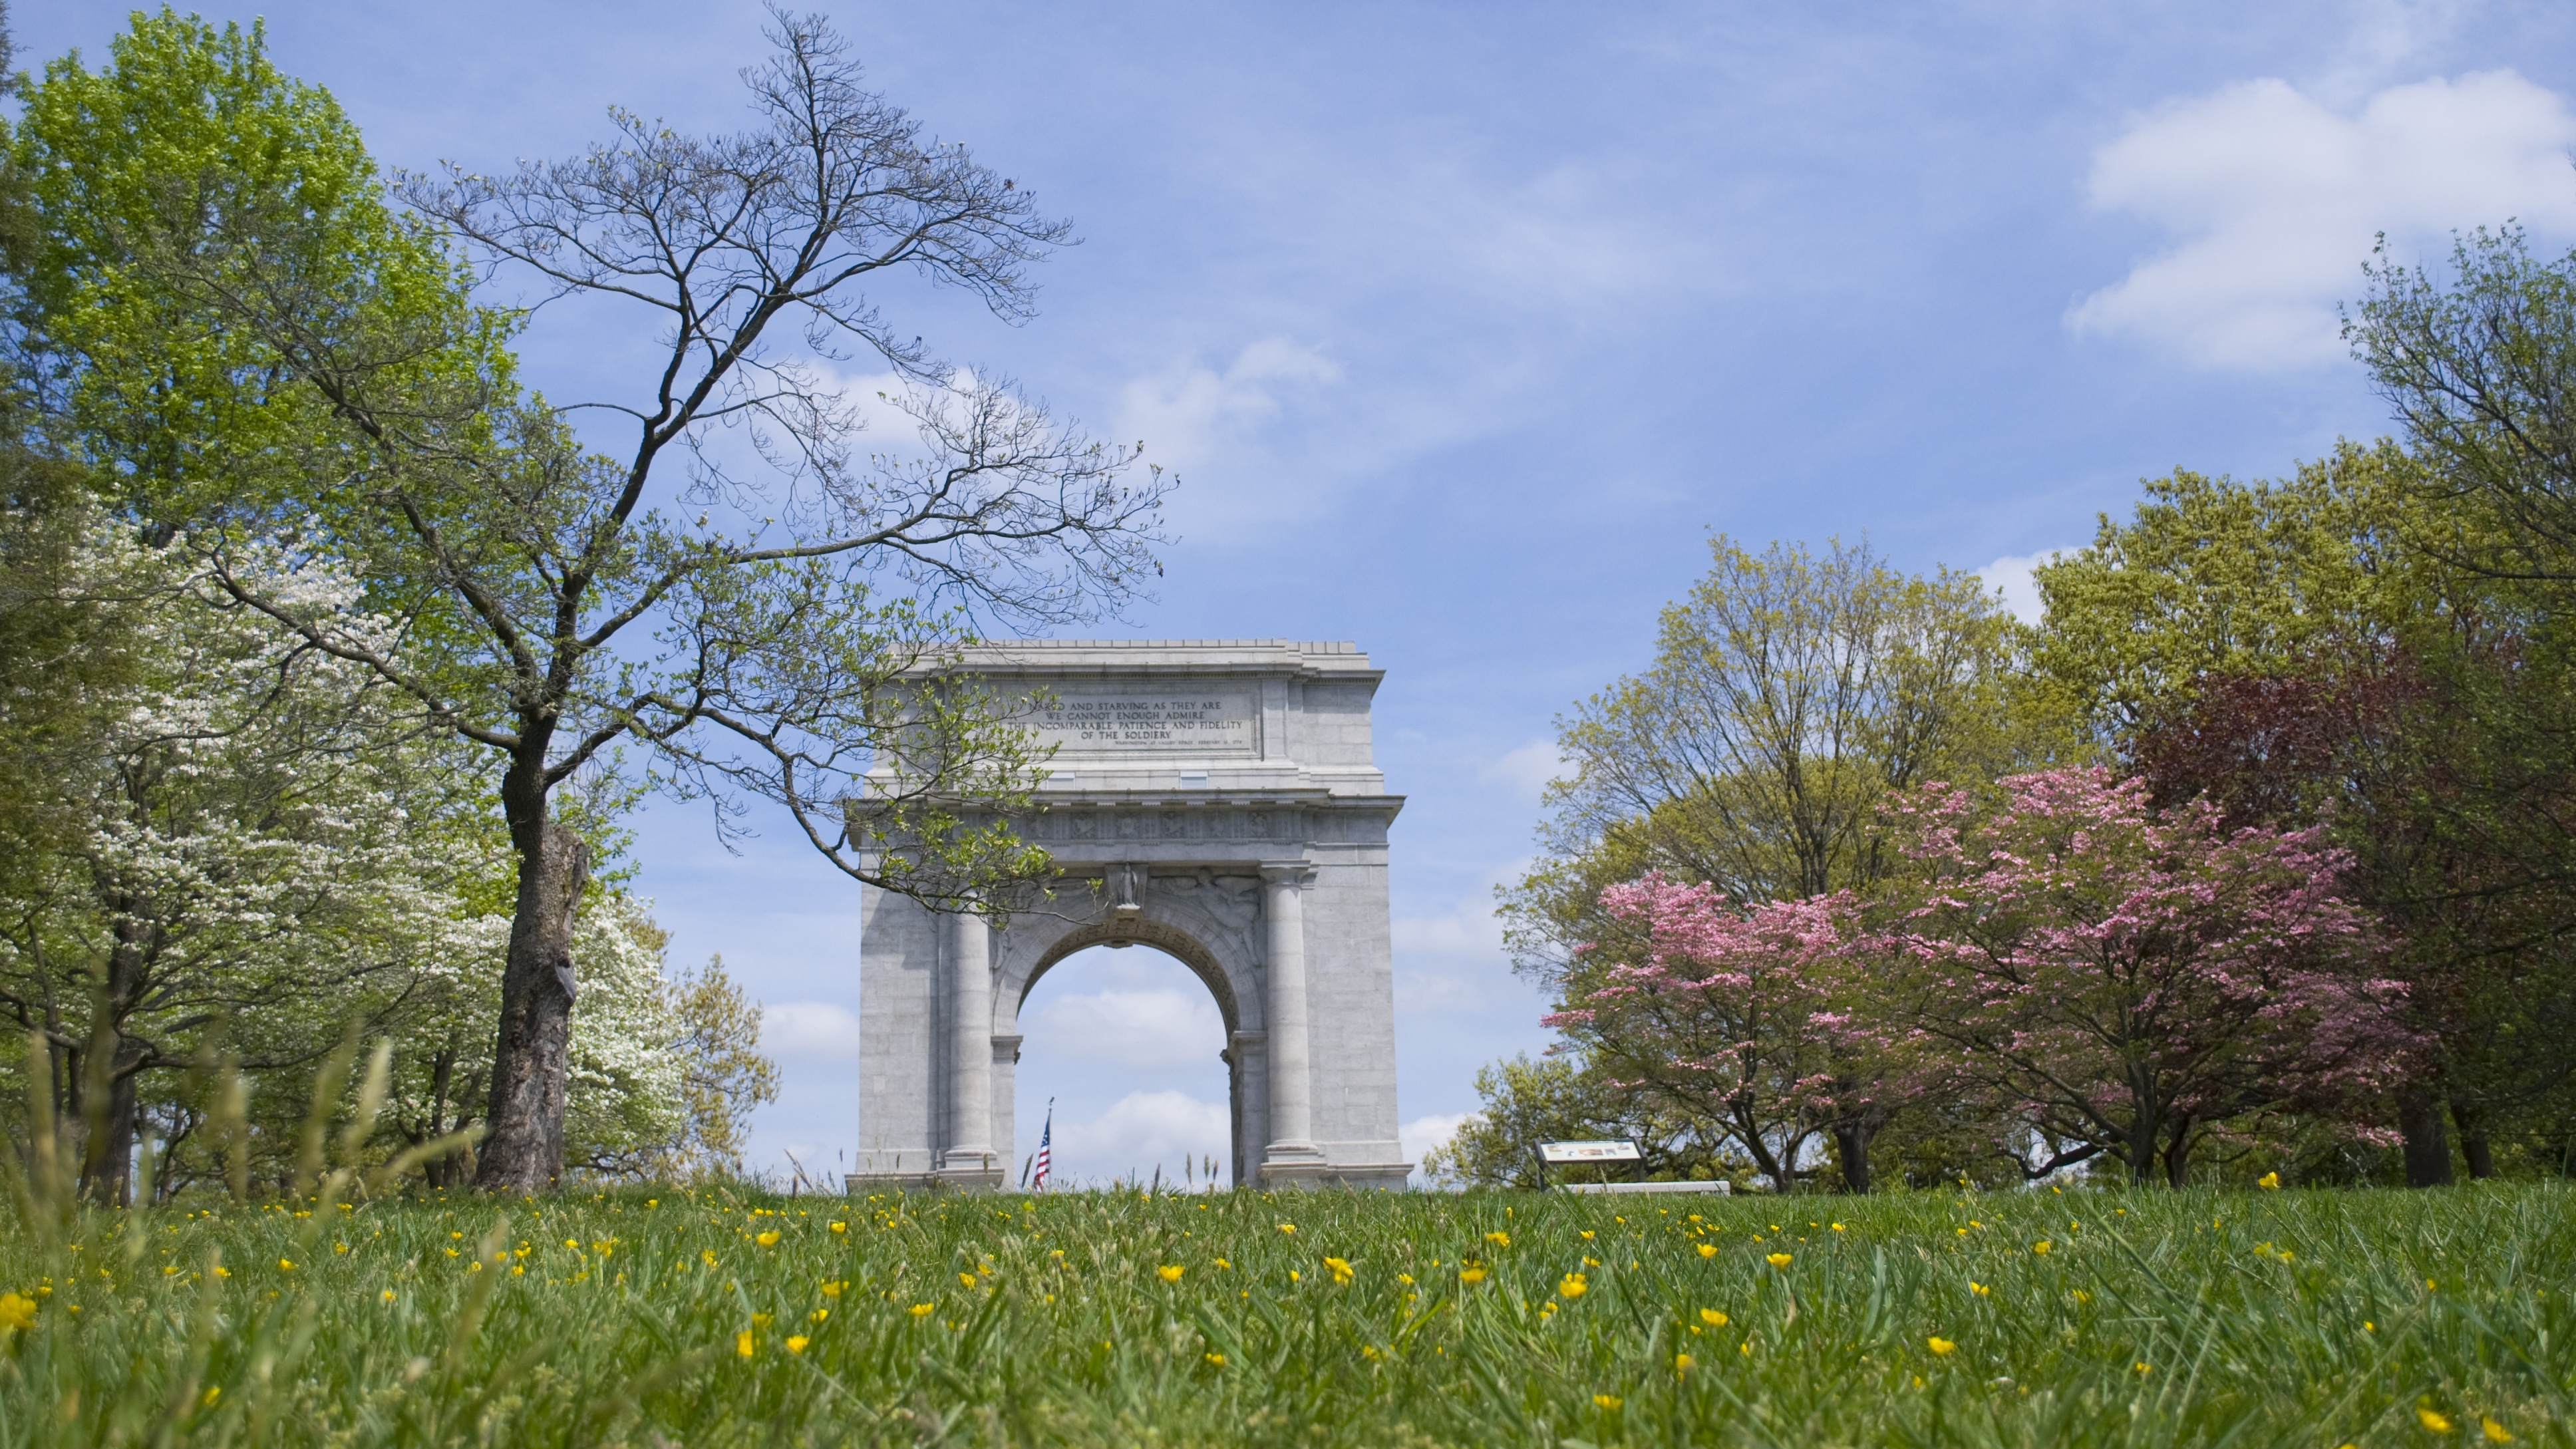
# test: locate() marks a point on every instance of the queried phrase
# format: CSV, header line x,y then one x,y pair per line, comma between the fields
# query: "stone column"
x,y
1292,1114
970,1050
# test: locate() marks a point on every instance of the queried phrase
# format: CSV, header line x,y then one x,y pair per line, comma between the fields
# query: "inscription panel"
x,y
1215,722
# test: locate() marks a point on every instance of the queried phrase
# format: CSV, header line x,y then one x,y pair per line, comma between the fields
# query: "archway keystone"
x,y
1214,800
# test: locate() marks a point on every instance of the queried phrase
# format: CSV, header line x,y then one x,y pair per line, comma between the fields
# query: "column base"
x,y
969,1179
974,1171
1318,1173
860,1184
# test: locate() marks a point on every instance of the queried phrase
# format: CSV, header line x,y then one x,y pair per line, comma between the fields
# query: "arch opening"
x,y
1133,1045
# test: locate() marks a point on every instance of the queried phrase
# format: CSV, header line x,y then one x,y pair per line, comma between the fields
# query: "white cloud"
x,y
809,1031
1527,769
1190,413
2011,577
2275,199
1141,1131
1148,1027
1424,1133
1466,931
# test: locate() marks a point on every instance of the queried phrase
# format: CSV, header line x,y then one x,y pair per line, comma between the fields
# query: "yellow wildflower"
x,y
2040,1247
2493,1431
1681,1362
1287,1227
1587,1233
1980,1289
818,1315
207,1399
1499,1240
17,1311
1940,1345
1169,1272
1341,1269
1712,1318
966,1280
385,1297
707,1256
1605,1401
833,1289
286,1265
796,1343
1472,1273
1778,1260
840,1227
742,1343
2433,1421
921,1310
1708,1250
1571,1286
768,1239
2142,1367
2269,1182
1215,1359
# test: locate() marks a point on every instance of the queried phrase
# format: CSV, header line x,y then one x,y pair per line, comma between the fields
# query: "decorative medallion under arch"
x,y
1217,803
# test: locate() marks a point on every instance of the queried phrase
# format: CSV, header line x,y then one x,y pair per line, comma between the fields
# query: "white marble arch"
x,y
1214,800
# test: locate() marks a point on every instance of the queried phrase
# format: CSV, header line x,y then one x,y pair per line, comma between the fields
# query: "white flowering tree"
x,y
271,862
263,855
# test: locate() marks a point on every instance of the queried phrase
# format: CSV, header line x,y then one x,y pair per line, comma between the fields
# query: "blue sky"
x,y
1464,327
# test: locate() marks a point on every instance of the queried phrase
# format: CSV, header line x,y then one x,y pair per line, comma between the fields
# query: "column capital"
x,y
1288,872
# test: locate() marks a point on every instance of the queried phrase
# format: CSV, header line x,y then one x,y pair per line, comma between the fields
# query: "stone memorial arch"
x,y
1217,801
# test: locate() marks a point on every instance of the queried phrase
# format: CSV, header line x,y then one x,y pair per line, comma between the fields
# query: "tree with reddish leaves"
x,y
2456,827
2127,978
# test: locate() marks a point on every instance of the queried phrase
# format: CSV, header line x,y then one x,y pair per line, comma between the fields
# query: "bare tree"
x,y
557,610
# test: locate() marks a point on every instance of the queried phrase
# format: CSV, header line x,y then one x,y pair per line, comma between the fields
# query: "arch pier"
x,y
1215,800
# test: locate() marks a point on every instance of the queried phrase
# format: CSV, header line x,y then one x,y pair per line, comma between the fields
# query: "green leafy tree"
x,y
2480,368
1790,692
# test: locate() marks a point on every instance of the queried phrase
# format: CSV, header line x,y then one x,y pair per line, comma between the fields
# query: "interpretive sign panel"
x,y
1561,1152
1193,724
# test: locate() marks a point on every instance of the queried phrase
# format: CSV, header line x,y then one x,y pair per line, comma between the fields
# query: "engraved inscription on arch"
x,y
1212,722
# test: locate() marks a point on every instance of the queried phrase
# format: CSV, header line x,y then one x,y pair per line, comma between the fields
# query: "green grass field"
x,y
2290,1318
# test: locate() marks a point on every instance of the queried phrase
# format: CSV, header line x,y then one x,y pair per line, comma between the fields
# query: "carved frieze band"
x,y
1187,823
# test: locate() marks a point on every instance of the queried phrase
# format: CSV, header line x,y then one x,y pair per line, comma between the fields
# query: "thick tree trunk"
x,y
109,1111
2141,1150
525,1151
1852,1136
2178,1154
2428,1145
2472,1122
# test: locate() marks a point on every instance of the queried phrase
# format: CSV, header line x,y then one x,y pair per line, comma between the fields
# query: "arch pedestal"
x,y
1217,802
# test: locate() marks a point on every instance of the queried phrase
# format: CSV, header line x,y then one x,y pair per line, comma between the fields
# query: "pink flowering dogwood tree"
x,y
1726,1014
2127,978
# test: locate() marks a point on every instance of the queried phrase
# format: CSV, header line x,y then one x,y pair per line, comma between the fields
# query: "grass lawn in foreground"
x,y
2146,1318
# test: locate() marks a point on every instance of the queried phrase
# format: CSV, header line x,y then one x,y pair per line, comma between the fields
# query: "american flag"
x,y
1046,1143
